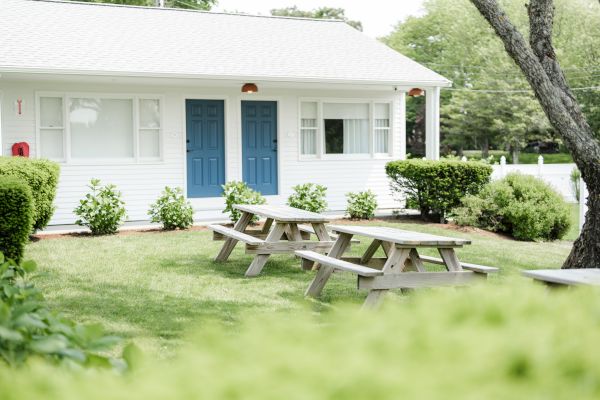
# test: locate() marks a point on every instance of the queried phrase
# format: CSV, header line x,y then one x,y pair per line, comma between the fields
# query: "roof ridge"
x,y
93,3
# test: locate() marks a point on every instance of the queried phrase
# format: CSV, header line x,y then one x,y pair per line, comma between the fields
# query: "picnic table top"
x,y
282,213
399,236
585,276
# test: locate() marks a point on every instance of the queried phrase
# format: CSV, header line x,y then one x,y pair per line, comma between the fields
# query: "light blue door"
x,y
205,147
259,145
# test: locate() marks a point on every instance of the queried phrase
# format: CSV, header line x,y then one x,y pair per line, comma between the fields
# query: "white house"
x,y
149,97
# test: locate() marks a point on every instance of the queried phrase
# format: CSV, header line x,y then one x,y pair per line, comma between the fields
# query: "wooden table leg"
x,y
230,243
261,259
322,235
325,271
370,251
267,226
450,259
394,265
416,260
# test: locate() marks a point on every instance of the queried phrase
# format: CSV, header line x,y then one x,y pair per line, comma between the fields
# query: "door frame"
x,y
254,97
183,143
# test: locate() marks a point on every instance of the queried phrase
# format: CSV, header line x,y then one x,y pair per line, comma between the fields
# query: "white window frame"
x,y
320,132
135,98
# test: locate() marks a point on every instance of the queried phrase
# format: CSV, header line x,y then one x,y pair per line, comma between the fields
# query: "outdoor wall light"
x,y
416,92
249,88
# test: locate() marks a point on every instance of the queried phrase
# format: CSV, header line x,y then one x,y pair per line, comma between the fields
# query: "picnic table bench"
x,y
565,277
401,268
280,234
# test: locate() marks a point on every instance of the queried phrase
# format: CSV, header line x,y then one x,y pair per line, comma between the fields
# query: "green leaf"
x,y
49,345
29,266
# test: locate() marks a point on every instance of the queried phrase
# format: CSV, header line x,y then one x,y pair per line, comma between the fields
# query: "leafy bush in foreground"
x,y
29,329
516,341
520,205
361,205
239,193
172,210
102,210
16,209
437,186
42,177
309,197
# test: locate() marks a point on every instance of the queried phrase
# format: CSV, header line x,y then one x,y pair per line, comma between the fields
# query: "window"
x,y
345,128
381,117
99,128
308,128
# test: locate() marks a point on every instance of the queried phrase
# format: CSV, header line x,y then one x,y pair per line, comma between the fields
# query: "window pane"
x,y
309,123
101,128
51,112
308,110
381,111
345,111
51,142
356,136
149,113
334,136
382,123
149,143
381,140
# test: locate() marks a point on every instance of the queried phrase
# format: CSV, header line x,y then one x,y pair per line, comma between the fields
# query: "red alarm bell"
x,y
20,149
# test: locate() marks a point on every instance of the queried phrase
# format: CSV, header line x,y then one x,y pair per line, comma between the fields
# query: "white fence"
x,y
557,175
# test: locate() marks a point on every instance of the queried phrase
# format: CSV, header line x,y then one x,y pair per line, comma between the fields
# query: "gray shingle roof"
x,y
70,37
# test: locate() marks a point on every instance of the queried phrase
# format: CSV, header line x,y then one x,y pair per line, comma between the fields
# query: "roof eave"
x,y
245,78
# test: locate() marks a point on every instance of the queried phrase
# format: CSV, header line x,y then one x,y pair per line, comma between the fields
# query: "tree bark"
x,y
537,60
485,148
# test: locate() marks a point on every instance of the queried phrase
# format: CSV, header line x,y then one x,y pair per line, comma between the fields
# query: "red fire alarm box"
x,y
20,149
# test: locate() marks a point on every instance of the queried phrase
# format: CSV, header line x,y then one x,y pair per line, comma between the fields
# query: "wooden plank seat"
x,y
237,235
480,269
257,233
338,264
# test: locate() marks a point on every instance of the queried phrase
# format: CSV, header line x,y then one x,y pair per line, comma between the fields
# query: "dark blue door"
x,y
205,147
259,145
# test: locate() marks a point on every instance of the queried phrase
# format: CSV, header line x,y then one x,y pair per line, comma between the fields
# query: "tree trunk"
x,y
515,154
538,63
485,148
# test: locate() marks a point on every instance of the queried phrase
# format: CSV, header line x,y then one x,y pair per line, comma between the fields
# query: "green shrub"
x,y
172,210
361,205
29,329
239,193
520,205
437,186
102,210
574,177
514,341
309,197
16,216
42,177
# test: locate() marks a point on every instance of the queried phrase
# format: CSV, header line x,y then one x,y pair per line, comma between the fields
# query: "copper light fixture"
x,y
416,92
249,88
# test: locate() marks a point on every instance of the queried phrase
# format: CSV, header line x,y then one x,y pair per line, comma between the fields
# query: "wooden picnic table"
x,y
565,277
281,233
402,267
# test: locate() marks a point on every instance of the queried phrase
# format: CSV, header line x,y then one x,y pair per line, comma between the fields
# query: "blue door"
x,y
259,145
205,147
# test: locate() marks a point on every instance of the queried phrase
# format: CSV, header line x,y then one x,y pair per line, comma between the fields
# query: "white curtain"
x,y
356,136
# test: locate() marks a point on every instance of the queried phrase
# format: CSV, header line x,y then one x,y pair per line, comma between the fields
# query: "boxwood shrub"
x,y
522,206
42,178
436,187
16,216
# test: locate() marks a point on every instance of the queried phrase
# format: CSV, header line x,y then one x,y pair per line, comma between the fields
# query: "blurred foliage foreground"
x,y
515,340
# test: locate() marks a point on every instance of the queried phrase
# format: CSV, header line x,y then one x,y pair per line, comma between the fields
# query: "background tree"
x,y
539,61
189,4
466,51
320,13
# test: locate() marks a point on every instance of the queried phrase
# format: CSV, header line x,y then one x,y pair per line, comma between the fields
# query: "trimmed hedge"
x,y
42,178
16,216
437,186
522,206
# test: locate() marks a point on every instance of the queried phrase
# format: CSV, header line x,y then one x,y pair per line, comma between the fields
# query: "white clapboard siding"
x,y
141,183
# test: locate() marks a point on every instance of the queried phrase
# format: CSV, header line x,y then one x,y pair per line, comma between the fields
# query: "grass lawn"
x,y
153,286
